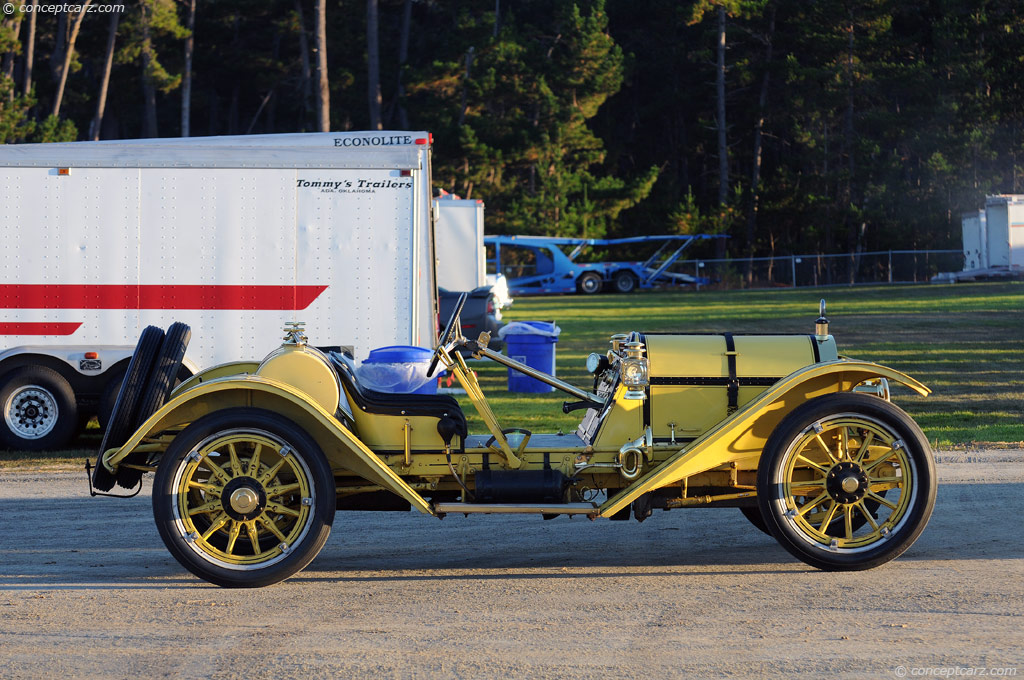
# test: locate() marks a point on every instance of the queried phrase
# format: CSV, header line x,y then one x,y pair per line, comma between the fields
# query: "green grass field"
x,y
966,342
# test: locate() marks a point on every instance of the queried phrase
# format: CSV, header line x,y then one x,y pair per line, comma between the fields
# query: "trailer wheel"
x,y
122,418
826,461
589,283
624,282
39,409
244,498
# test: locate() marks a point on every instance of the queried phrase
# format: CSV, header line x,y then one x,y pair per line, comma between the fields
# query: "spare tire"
x,y
122,418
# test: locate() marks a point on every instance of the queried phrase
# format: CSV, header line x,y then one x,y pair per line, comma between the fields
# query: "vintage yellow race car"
x,y
252,459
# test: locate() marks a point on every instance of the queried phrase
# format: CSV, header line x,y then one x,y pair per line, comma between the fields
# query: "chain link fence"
x,y
887,266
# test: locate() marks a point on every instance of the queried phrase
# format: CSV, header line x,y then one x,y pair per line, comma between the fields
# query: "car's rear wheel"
x,y
244,498
846,482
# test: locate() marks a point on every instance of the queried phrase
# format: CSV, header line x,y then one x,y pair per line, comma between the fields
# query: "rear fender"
x,y
741,437
343,449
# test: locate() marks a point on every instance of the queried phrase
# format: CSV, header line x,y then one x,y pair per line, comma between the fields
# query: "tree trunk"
x,y
723,149
470,53
755,173
59,43
149,123
186,78
373,62
8,60
30,50
108,64
307,70
323,92
403,57
69,52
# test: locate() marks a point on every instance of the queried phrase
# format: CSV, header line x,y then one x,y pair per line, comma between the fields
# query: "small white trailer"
x,y
1004,217
232,235
459,235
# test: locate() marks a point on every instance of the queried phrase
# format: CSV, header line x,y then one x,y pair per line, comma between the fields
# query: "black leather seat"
x,y
382,403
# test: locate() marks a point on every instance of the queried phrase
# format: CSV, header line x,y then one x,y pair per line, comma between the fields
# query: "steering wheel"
x,y
446,336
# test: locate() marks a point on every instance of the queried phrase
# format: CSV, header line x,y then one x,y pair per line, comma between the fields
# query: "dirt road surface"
x,y
87,590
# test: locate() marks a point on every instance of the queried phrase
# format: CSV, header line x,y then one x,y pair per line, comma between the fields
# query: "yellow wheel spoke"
x,y
828,517
885,480
254,536
825,448
282,489
863,450
813,504
236,465
254,462
221,520
881,500
271,526
282,509
208,507
217,470
848,520
797,486
844,443
820,468
206,486
868,468
236,527
269,474
867,515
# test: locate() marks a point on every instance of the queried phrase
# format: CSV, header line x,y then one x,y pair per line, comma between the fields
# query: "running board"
x,y
517,508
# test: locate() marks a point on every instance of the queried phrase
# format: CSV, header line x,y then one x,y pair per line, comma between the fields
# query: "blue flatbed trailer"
x,y
537,265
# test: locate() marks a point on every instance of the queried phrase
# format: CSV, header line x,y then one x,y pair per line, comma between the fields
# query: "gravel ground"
x,y
87,590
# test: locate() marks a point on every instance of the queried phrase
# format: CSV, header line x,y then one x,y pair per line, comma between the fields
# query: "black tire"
x,y
108,399
753,515
589,283
906,507
213,558
39,409
164,374
624,282
122,418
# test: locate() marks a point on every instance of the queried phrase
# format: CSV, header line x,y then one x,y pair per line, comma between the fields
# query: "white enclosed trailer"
x,y
232,235
459,235
1004,217
975,240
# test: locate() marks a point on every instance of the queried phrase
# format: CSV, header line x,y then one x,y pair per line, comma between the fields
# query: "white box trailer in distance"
x,y
459,237
232,235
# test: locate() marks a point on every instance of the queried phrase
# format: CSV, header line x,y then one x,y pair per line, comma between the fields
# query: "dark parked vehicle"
x,y
480,313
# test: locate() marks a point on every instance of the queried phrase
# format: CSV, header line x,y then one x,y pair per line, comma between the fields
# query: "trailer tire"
x,y
122,418
589,283
624,282
39,409
108,399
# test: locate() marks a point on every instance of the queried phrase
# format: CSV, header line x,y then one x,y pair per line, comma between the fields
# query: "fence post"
x,y
890,266
792,267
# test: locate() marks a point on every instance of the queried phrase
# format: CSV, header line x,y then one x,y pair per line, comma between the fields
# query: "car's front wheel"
x,y
244,498
846,482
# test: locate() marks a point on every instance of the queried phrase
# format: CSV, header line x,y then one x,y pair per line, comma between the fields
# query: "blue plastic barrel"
x,y
396,360
536,350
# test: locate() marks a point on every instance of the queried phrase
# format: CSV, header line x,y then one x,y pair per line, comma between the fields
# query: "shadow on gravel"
x,y
96,544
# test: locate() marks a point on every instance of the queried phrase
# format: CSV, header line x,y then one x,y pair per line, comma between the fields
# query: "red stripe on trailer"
x,y
39,296
39,327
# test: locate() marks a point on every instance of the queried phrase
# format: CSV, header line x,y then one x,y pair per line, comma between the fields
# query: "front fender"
x,y
343,449
741,437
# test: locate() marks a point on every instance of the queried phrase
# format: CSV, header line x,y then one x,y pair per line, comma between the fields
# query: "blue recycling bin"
x,y
532,343
400,369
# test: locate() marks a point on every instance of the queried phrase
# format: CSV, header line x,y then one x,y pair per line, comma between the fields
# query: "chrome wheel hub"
x,y
31,412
